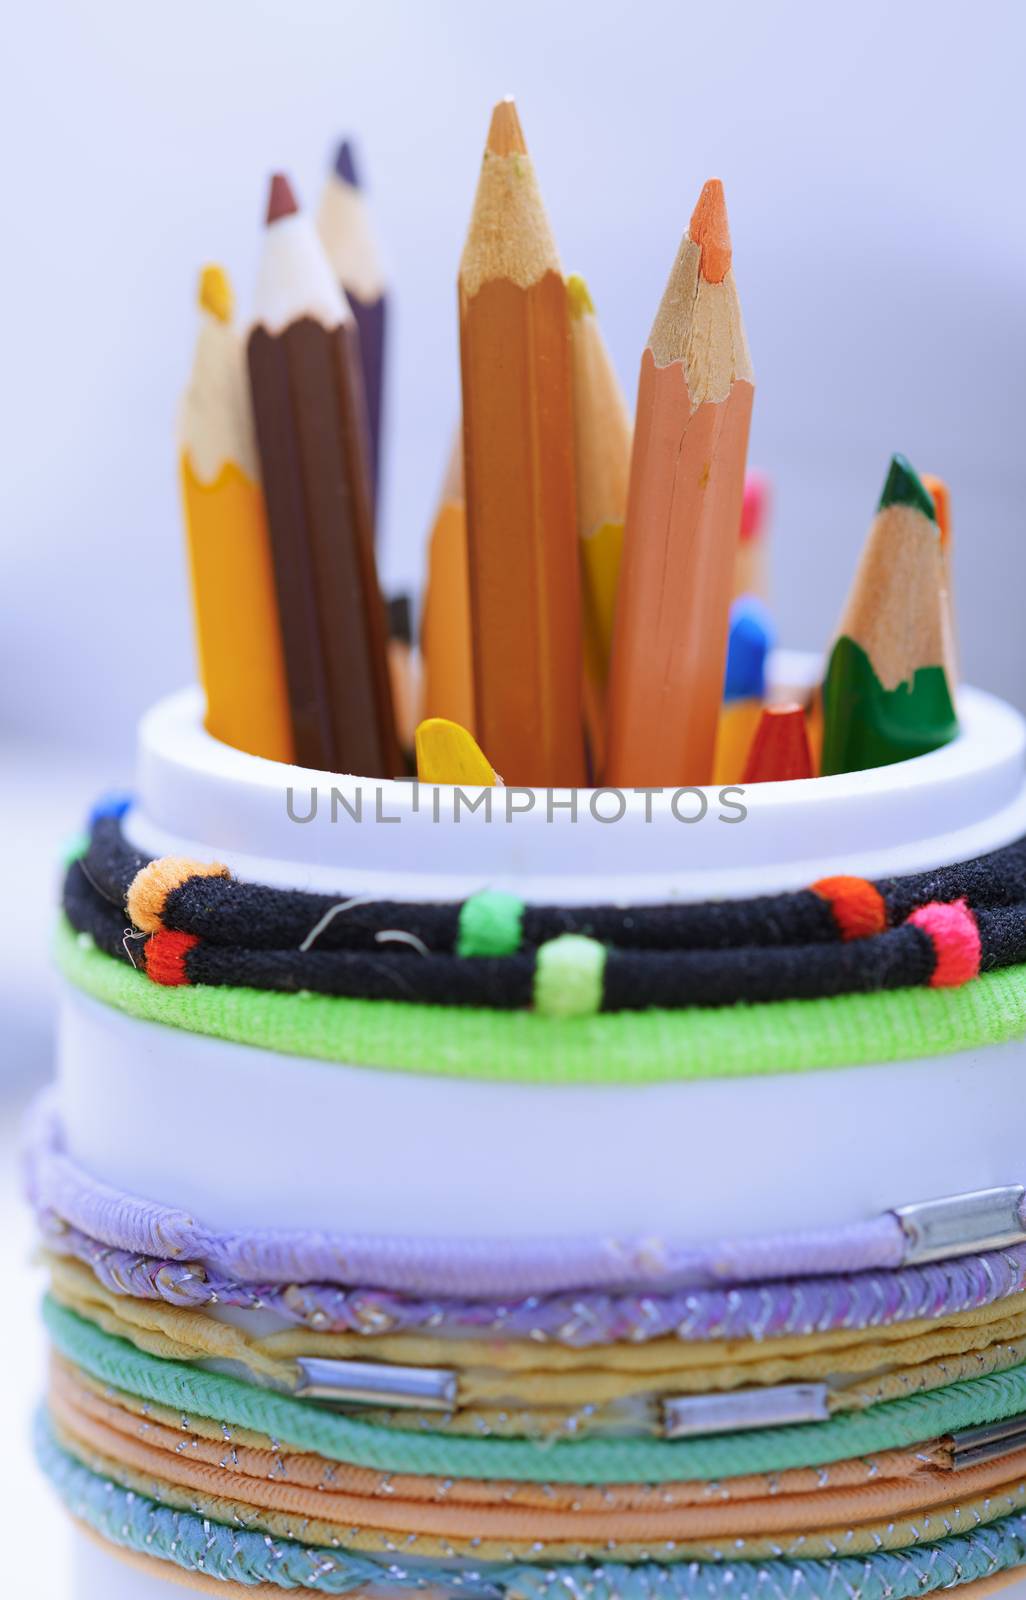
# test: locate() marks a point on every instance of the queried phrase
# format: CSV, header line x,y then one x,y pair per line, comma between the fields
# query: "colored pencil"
x,y
750,566
518,452
403,671
683,515
447,665
780,748
940,494
447,753
307,401
744,689
236,613
602,440
347,233
886,694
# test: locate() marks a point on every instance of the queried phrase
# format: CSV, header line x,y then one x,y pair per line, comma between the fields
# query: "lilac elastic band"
x,y
468,1266
456,1267
799,1307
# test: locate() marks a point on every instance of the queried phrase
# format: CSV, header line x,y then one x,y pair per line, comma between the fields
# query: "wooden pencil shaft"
x,y
687,480
522,529
327,402
376,610
323,503
295,582
445,634
237,628
683,518
370,323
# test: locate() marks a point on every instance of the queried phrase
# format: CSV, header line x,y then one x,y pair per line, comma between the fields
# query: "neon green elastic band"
x,y
304,1426
613,1047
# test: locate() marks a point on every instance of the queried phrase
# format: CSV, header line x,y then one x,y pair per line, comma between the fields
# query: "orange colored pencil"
x,y
780,748
446,655
518,456
683,517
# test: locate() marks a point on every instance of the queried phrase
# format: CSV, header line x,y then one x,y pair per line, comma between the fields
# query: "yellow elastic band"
x,y
500,1375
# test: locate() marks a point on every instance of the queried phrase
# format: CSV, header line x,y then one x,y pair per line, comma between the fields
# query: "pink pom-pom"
x,y
956,939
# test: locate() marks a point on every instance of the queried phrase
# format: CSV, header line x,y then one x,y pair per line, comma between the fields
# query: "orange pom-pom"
x,y
153,883
857,905
165,956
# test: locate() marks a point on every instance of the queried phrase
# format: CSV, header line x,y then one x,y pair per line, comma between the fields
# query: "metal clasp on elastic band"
x,y
970,1446
961,1223
373,1383
685,1416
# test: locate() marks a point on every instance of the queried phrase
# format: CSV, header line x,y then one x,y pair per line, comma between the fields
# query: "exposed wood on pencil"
x,y
446,753
780,749
520,482
683,515
445,637
308,404
347,232
602,437
887,694
238,634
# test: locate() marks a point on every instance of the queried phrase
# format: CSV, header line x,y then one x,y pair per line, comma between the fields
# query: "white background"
x,y
872,155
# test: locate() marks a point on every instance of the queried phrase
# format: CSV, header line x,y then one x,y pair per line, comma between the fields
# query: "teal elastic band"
x,y
622,1047
199,1544
305,1426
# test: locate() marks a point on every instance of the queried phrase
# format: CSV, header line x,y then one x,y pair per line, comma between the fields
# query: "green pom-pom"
x,y
490,924
568,976
904,487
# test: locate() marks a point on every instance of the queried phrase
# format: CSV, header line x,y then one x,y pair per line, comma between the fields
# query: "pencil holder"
x,y
556,1133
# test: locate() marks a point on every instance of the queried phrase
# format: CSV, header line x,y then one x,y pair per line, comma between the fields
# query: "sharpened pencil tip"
x,y
281,199
710,230
345,164
904,487
505,135
215,293
780,749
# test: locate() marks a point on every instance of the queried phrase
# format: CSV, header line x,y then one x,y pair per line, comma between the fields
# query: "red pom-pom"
x,y
165,956
858,906
956,939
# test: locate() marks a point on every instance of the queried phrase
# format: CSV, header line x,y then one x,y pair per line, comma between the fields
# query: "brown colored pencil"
x,y
518,434
308,406
683,516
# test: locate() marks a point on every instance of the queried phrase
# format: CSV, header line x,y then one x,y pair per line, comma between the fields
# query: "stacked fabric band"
x,y
832,1412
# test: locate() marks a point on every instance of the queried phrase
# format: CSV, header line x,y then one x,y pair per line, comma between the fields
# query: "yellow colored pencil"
x,y
236,614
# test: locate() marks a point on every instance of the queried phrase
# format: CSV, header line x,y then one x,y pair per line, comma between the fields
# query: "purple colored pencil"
x,y
345,227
